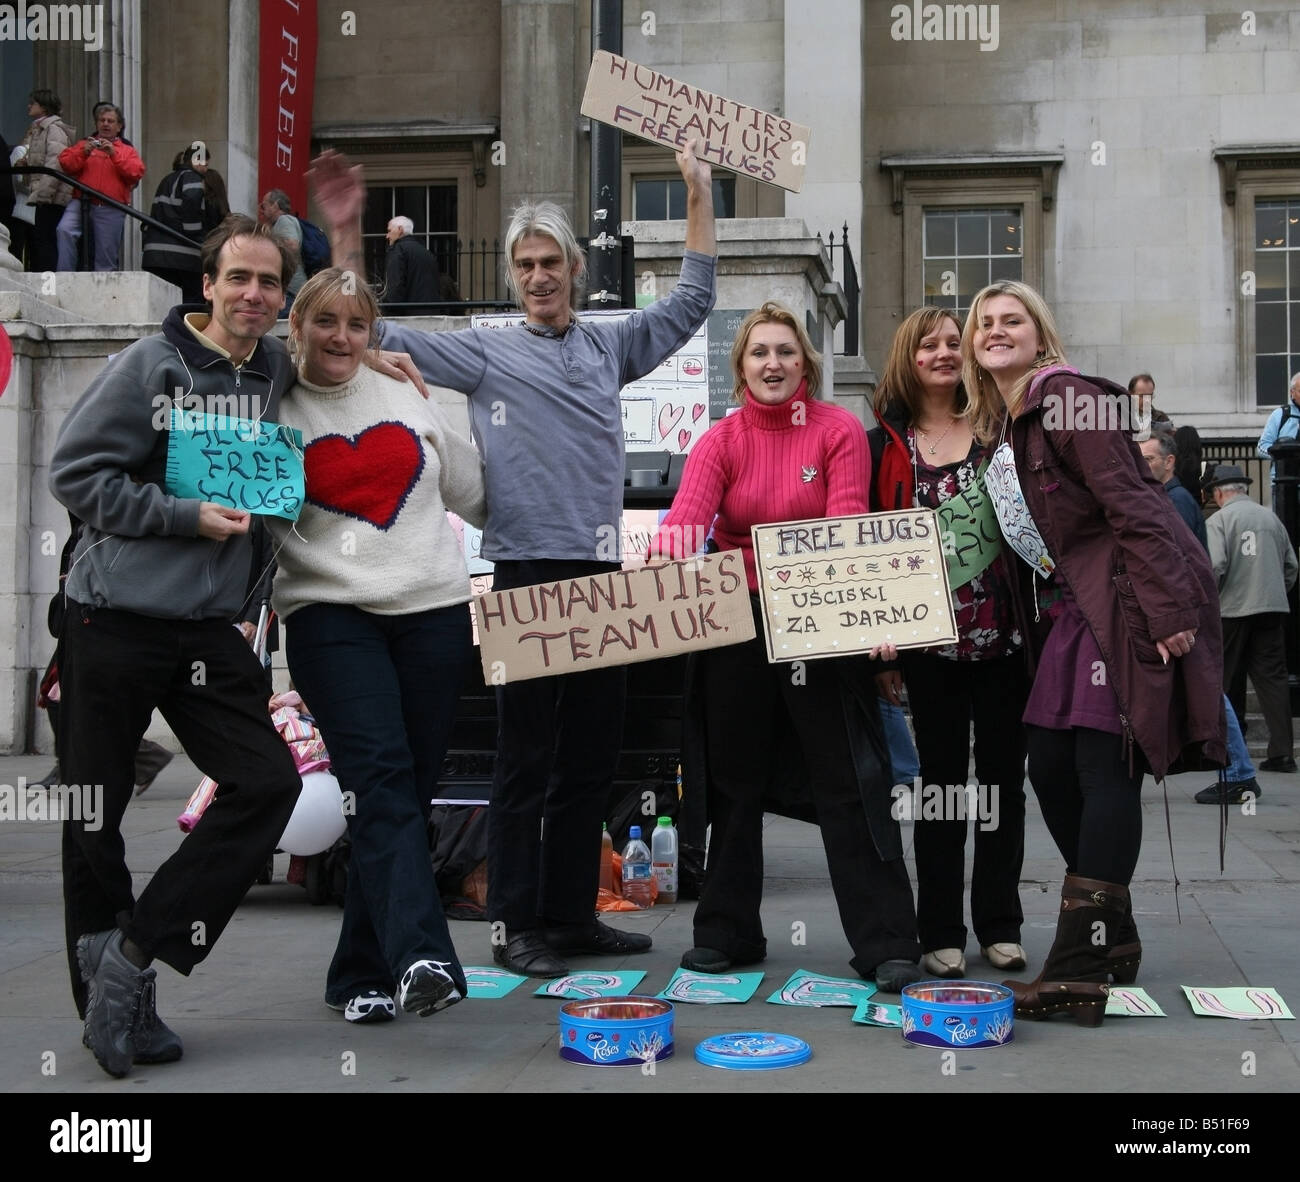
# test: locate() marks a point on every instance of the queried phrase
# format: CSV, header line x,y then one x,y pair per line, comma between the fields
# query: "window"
x,y
963,250
431,207
656,199
970,220
1262,187
1277,296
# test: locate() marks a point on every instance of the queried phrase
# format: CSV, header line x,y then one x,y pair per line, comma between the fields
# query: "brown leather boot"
x,y
1126,956
1075,975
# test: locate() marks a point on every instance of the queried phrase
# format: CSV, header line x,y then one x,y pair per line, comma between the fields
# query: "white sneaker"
x,y
1005,956
372,1006
945,962
427,987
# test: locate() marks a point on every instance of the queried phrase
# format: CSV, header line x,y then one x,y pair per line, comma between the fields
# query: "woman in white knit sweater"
x,y
373,588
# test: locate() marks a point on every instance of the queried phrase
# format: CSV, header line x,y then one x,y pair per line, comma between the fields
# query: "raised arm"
x,y
701,230
339,191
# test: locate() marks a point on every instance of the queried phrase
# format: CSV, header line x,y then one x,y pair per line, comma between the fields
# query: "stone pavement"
x,y
253,1020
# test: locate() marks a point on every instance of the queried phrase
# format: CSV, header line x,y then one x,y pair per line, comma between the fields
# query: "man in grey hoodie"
x,y
153,586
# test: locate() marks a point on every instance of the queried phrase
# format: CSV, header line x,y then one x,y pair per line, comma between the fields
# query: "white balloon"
x,y
317,821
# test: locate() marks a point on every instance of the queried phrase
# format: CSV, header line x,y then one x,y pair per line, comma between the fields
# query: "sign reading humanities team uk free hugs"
x,y
613,619
252,466
652,106
842,585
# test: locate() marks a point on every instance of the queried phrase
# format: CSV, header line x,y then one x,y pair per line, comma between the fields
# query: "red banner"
x,y
286,82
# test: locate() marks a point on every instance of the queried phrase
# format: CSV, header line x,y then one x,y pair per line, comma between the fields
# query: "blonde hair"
x,y
900,384
772,312
986,403
323,290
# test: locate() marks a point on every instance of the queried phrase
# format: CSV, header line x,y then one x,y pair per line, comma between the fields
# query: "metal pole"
x,y
604,256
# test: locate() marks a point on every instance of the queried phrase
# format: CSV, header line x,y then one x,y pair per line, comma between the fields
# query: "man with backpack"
x,y
308,243
1283,423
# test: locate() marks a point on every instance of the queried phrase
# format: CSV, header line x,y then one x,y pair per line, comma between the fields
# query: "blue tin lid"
x,y
753,1050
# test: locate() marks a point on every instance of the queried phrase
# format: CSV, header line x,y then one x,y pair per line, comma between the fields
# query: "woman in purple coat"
x,y
1120,613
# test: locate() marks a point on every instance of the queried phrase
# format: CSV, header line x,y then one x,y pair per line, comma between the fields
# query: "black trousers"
x,y
749,705
946,696
42,245
558,742
1257,645
114,669
1091,802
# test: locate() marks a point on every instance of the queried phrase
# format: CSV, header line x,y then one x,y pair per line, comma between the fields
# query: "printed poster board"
x,y
837,586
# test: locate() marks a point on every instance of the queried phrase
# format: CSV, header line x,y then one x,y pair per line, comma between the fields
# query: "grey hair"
x,y
1295,380
403,222
1163,434
1236,487
548,220
279,197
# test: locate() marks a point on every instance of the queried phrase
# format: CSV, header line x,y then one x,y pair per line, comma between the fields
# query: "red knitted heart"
x,y
368,476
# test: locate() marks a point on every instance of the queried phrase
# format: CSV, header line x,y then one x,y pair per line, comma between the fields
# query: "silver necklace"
x,y
935,446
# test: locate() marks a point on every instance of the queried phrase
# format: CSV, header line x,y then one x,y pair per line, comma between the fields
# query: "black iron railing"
x,y
847,274
83,244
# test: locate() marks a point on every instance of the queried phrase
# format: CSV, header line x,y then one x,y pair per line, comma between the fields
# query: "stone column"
x,y
539,108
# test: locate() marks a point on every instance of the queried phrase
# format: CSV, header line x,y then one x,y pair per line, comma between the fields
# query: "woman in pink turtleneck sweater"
x,y
786,457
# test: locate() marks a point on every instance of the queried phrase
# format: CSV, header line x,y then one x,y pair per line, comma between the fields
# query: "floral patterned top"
x,y
986,624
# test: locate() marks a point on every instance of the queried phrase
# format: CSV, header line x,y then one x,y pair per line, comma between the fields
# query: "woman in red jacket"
x,y
106,162
1129,673
785,456
929,458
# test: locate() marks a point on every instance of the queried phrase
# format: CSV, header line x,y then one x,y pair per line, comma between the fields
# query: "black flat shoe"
x,y
1234,793
705,960
1278,763
595,939
528,954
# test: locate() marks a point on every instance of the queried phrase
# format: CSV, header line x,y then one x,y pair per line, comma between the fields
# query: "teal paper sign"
x,y
252,466
812,989
711,988
491,984
878,1013
584,985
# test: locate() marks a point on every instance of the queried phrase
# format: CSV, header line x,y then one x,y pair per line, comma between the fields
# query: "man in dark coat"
x,y
412,276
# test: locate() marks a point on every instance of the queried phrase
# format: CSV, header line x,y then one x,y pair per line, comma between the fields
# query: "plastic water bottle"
x,y
663,859
636,869
606,859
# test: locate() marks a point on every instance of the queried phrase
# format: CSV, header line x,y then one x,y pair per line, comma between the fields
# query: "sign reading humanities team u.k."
x,y
652,106
841,585
613,619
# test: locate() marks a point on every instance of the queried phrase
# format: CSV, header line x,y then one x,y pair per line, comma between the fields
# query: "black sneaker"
x,y
1234,793
116,998
595,939
155,1041
892,975
427,987
1278,763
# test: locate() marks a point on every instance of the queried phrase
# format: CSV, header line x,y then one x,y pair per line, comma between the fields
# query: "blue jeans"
x,y
383,690
1240,768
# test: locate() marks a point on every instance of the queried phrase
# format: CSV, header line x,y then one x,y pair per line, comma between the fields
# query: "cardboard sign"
x,y
613,619
253,466
652,106
843,585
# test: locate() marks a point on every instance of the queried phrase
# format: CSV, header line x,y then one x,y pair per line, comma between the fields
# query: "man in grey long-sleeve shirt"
x,y
1256,566
544,403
